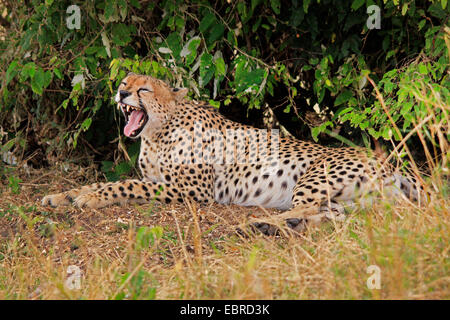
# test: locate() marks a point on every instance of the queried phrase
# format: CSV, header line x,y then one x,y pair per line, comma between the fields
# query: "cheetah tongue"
x,y
133,122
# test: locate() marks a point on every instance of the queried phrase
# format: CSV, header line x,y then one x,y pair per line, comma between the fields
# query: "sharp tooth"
x,y
128,108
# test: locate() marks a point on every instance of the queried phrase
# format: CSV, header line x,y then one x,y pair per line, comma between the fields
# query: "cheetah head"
x,y
146,103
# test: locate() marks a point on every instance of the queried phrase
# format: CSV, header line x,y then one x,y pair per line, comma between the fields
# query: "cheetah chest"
x,y
148,161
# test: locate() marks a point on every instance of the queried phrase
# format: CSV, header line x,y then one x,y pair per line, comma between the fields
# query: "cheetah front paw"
x,y
55,200
90,200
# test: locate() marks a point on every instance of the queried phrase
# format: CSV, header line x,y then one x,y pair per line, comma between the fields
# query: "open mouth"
x,y
135,119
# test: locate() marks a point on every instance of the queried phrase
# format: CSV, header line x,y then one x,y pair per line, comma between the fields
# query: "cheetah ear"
x,y
131,74
179,93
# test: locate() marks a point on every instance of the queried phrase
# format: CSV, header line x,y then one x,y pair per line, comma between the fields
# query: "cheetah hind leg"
x,y
299,222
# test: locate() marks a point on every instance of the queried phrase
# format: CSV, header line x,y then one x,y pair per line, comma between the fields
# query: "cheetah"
x,y
190,151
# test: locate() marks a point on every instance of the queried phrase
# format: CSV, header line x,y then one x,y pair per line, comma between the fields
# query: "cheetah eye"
x,y
123,83
144,90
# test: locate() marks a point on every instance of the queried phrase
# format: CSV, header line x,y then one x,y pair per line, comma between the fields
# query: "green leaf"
x,y
343,97
58,73
315,133
174,43
107,166
38,81
207,69
121,34
437,11
123,168
28,70
135,3
220,66
48,76
112,176
390,54
423,69
341,111
241,64
114,66
216,33
65,103
123,8
86,124
242,10
422,24
404,8
252,79
275,4
190,50
14,184
321,95
206,22
110,8
306,5
357,4
297,17
387,133
11,72
215,104
133,152
255,3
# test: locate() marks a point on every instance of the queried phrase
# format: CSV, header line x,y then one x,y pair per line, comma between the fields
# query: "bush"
x,y
298,57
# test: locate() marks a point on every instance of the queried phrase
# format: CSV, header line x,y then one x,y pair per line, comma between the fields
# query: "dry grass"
x,y
175,257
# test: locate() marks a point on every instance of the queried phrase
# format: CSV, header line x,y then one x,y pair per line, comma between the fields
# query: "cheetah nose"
x,y
123,94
